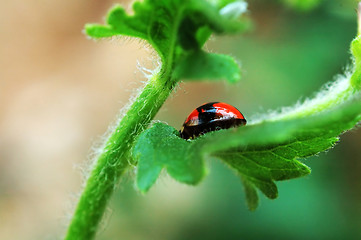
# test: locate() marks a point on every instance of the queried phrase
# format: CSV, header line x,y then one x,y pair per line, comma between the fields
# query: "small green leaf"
x,y
208,66
178,30
163,22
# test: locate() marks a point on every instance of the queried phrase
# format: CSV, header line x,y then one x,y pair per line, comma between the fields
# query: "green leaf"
x,y
178,30
162,148
209,66
259,153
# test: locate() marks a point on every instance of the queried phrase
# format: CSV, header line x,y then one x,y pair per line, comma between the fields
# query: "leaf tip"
x,y
306,170
88,29
114,9
98,31
143,186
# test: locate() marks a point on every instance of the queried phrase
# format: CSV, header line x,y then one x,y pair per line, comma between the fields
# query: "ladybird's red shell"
x,y
210,117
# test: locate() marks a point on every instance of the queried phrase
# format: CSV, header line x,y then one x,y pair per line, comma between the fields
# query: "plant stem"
x,y
114,159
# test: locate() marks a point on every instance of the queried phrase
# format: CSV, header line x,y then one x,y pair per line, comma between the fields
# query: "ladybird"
x,y
211,116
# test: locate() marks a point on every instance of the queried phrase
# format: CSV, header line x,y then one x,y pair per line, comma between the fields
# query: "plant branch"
x,y
114,159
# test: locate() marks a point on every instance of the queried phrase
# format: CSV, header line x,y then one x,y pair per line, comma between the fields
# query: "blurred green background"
x,y
59,91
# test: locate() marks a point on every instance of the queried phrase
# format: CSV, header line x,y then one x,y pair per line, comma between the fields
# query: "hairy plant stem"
x,y
113,160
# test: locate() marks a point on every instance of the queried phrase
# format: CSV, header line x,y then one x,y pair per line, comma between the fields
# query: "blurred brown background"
x,y
59,91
